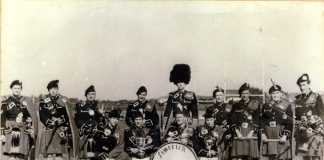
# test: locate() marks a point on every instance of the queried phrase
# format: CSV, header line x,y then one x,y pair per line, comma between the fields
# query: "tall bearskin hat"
x,y
303,78
52,84
90,89
180,73
15,82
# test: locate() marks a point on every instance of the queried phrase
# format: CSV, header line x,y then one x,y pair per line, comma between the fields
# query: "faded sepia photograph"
x,y
161,80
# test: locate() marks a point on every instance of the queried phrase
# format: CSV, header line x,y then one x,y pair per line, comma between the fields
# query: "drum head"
x,y
174,151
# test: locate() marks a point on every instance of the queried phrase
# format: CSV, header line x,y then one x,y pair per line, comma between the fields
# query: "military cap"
x,y
217,89
90,89
244,87
274,88
303,78
15,82
52,84
141,90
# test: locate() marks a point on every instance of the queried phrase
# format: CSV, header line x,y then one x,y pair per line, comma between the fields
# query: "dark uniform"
x,y
86,117
184,100
309,114
245,123
148,110
309,135
177,133
181,133
106,137
221,113
277,125
143,139
53,114
312,100
208,139
17,124
86,111
150,114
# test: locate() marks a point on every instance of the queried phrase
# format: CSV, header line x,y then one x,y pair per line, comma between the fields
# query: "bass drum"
x,y
174,151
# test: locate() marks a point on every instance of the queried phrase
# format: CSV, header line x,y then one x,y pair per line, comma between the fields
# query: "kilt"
x,y
245,147
270,148
87,147
313,147
23,139
56,147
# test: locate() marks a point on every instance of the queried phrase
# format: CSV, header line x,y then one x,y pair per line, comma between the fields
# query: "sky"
x,y
119,46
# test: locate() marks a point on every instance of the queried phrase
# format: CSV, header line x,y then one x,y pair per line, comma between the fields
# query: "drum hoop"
x,y
190,148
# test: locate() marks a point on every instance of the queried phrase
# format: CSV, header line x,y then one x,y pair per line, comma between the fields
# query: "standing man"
x,y
149,112
220,110
309,113
86,120
277,125
308,98
17,131
181,99
56,138
141,141
245,117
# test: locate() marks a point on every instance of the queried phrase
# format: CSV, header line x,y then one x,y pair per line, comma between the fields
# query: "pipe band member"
x,y
277,125
107,135
142,105
141,141
57,136
245,125
17,131
86,118
309,113
179,130
181,99
207,138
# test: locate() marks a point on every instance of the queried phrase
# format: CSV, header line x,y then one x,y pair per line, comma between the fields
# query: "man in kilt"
x,y
221,112
309,127
244,123
56,138
86,118
277,125
181,99
17,131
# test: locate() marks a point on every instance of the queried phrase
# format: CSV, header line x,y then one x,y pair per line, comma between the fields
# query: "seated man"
x,y
179,131
207,138
141,141
107,136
